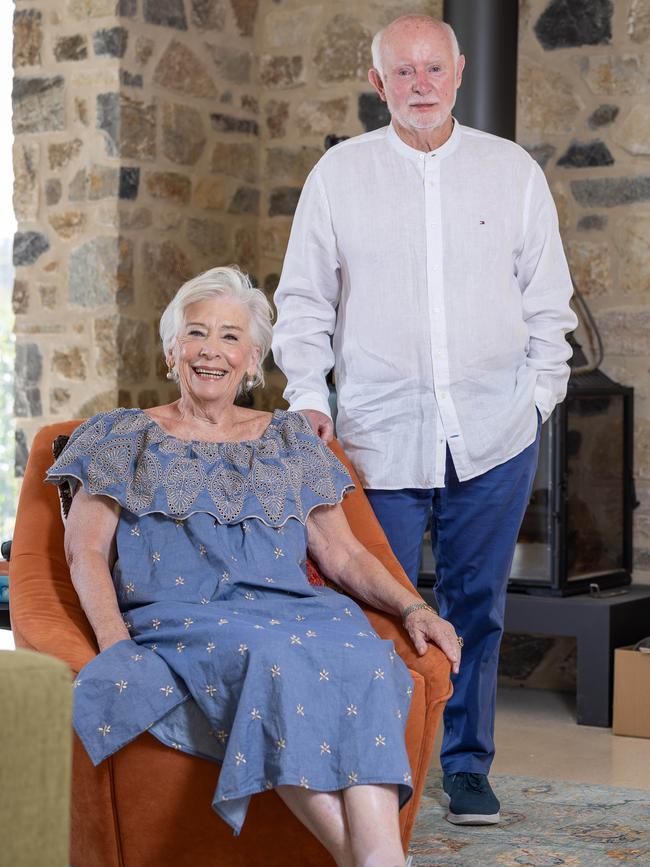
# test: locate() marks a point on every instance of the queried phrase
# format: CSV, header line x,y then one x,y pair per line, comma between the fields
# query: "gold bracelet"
x,y
415,606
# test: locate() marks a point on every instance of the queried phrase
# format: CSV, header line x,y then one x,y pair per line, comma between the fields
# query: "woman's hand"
x,y
424,625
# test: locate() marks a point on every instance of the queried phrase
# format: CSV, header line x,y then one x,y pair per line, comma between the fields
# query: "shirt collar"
x,y
414,154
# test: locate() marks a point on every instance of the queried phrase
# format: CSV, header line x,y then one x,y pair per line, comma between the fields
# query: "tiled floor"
x,y
537,736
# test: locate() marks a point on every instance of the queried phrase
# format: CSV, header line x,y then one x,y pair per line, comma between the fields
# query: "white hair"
x,y
375,47
224,282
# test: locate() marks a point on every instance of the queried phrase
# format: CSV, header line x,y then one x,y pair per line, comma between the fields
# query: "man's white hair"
x,y
375,47
229,283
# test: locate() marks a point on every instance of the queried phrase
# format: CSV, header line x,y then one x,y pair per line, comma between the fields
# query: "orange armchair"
x,y
147,805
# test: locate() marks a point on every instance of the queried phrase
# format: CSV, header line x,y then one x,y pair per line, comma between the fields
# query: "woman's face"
x,y
214,351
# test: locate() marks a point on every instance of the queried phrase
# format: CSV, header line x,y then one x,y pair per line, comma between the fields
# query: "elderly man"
x,y
426,267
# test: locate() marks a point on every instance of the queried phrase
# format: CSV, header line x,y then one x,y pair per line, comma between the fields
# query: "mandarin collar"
x,y
414,154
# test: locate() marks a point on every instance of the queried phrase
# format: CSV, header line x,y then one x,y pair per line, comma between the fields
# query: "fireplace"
x,y
577,530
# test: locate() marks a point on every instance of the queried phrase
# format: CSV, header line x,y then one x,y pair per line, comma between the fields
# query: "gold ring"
x,y
459,639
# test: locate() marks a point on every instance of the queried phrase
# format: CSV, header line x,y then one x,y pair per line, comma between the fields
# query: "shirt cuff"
x,y
311,400
544,401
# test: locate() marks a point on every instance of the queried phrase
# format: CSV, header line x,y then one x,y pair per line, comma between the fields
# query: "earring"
x,y
170,373
250,383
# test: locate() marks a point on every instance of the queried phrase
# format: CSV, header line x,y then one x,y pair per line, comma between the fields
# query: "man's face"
x,y
420,77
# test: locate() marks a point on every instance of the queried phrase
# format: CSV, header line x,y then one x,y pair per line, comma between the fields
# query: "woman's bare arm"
x,y
90,552
344,560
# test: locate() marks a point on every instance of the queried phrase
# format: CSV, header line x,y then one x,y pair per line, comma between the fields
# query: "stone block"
x,y
25,199
52,191
29,363
343,51
129,79
274,240
286,28
614,74
277,115
633,245
101,273
82,9
171,186
166,268
571,23
580,155
208,236
592,222
70,363
81,111
102,182
603,116
183,133
245,249
59,399
250,103
103,402
127,8
28,37
38,104
245,201
208,14
139,218
280,71
638,20
68,224
60,154
147,398
110,41
624,330
28,246
283,201
48,297
129,182
229,123
590,266
609,192
27,402
166,13
20,297
143,50
231,64
372,112
236,160
21,453
541,153
321,116
547,102
211,194
633,133
291,163
71,47
245,13
129,124
181,70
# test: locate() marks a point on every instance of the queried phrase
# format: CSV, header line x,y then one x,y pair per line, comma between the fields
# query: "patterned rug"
x,y
543,824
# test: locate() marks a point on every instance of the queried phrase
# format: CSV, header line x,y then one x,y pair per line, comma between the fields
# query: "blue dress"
x,y
233,655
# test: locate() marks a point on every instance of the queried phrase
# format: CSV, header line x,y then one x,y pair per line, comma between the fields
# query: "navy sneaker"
x,y
470,799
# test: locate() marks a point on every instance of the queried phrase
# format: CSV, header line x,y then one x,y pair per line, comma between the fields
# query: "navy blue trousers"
x,y
474,528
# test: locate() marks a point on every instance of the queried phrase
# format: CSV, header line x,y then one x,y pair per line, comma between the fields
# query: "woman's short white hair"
x,y
225,282
375,47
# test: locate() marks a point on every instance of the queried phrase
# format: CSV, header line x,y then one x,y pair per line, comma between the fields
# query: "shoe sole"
x,y
470,818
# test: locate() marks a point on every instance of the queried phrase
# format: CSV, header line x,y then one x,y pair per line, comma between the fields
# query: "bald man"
x,y
425,266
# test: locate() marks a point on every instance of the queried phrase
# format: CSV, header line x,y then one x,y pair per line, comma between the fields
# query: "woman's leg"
x,y
323,814
373,822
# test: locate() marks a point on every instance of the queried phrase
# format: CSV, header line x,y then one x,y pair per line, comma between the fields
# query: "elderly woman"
x,y
187,541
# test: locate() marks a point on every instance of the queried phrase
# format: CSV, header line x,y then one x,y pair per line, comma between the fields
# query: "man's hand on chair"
x,y
321,424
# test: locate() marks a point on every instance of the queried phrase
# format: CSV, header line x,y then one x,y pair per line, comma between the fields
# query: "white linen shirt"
x,y
436,286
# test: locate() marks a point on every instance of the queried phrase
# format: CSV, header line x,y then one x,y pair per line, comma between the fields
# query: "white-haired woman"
x,y
187,540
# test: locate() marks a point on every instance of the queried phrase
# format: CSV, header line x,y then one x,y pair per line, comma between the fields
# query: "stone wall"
x,y
158,137
136,160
